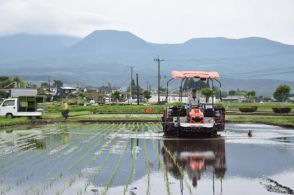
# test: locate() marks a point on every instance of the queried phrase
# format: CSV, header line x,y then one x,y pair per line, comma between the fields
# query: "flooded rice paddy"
x,y
135,158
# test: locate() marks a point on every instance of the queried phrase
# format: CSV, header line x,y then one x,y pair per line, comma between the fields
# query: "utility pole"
x,y
158,60
49,84
147,87
137,81
131,86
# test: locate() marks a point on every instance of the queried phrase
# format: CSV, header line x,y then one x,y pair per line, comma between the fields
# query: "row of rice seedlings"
x,y
157,127
33,163
91,161
57,155
20,150
19,153
53,159
162,167
22,179
147,165
20,160
90,147
23,160
132,166
177,165
100,168
97,171
116,168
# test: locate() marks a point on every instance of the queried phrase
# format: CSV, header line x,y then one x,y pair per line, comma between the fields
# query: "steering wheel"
x,y
200,105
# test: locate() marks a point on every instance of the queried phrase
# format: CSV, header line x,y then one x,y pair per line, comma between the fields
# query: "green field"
x,y
138,113
138,109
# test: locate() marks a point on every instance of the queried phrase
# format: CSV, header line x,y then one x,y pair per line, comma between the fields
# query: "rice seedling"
x,y
132,166
147,166
21,167
58,154
101,166
162,167
91,161
79,163
116,169
90,146
180,169
26,158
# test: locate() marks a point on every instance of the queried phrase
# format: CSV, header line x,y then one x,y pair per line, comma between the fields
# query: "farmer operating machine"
x,y
194,120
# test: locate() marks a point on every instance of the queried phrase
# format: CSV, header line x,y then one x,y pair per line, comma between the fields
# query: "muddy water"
x,y
137,159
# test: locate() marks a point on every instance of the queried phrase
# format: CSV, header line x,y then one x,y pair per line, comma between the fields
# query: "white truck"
x,y
23,102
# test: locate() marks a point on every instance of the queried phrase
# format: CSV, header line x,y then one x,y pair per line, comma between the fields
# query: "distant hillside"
x,y
105,55
19,47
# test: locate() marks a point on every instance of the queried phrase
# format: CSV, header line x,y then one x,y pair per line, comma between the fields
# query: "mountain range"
x,y
105,56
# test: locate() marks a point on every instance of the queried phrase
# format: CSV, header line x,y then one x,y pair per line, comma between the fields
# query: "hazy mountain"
x,y
105,55
109,41
19,47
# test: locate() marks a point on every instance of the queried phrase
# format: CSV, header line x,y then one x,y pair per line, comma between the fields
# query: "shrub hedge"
x,y
248,109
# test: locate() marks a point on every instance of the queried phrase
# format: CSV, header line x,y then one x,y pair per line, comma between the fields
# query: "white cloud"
x,y
40,17
154,20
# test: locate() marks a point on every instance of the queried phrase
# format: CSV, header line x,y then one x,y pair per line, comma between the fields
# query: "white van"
x,y
11,108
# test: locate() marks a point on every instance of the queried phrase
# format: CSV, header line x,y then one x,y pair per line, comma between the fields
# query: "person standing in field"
x,y
65,110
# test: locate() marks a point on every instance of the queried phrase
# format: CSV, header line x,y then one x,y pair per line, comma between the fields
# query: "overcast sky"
x,y
162,21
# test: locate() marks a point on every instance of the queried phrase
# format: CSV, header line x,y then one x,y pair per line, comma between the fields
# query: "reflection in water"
x,y
68,158
19,140
195,157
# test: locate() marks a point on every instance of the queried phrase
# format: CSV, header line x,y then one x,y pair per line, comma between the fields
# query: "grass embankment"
x,y
262,107
105,109
285,121
14,121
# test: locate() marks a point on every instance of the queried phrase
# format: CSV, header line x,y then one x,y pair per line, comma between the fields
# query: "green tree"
x,y
217,92
207,92
44,85
134,89
224,94
188,84
192,84
3,94
4,81
72,95
83,95
147,94
241,92
250,95
17,79
116,96
282,93
162,89
57,83
41,91
19,82
232,92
